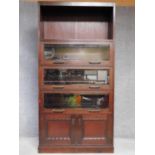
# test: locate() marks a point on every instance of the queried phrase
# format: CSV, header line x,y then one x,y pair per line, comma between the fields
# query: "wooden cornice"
x,y
118,2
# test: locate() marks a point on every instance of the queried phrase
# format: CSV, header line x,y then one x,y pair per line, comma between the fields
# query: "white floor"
x,y
28,146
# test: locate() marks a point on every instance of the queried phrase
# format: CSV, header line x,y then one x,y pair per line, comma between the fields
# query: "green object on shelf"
x,y
72,101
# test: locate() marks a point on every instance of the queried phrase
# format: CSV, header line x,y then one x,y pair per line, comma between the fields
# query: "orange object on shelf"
x,y
78,99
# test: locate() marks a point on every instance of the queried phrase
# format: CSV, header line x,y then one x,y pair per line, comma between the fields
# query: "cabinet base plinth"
x,y
77,149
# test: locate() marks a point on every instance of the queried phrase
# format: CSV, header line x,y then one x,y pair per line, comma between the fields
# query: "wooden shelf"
x,y
76,23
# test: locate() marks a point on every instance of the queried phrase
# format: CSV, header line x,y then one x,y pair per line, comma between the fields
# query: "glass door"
x,y
76,54
72,100
76,79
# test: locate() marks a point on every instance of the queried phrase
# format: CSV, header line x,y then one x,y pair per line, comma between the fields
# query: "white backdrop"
x,y
124,72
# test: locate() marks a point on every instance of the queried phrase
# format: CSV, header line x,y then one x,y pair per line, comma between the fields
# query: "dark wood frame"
x,y
82,117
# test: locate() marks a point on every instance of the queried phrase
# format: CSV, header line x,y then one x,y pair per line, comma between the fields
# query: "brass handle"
x,y
94,87
58,87
59,62
58,110
94,110
94,62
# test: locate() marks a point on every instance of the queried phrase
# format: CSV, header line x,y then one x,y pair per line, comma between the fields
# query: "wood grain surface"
x,y
118,2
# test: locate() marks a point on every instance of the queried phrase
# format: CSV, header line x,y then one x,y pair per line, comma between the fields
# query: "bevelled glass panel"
x,y
76,76
75,101
76,52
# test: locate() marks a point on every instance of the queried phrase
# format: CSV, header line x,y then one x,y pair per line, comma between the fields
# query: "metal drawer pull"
x,y
94,62
94,87
58,87
94,110
58,62
58,110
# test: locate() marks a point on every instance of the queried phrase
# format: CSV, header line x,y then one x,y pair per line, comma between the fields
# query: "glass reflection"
x,y
76,76
75,101
76,52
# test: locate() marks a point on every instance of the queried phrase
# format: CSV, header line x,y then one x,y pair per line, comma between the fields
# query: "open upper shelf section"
x,y
76,23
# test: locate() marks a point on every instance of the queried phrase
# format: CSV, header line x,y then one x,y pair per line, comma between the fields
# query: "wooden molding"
x,y
118,2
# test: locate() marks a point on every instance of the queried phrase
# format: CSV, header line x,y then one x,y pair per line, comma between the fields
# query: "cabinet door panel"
x,y
95,130
90,126
57,129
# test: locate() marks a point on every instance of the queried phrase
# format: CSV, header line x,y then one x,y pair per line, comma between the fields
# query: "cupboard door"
x,y
93,129
96,130
56,129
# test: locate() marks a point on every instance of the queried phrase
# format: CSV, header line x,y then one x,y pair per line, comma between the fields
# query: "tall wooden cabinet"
x,y
76,77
